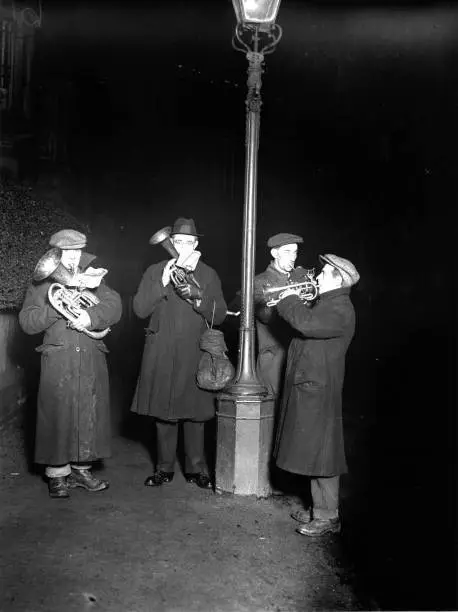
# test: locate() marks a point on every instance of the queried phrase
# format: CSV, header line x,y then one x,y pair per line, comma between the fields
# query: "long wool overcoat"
x,y
73,411
166,387
310,433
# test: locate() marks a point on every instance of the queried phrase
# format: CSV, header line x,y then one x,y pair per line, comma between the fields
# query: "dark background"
x,y
358,154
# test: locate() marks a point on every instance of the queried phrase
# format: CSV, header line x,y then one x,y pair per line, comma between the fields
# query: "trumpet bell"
x,y
162,237
49,265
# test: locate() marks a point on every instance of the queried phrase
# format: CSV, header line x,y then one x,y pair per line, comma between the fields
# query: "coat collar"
x,y
283,278
329,295
85,260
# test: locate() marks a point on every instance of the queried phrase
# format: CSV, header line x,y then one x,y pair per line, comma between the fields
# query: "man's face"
x,y
326,279
184,244
71,258
285,257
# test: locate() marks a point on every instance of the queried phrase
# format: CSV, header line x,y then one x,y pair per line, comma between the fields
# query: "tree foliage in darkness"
x,y
27,224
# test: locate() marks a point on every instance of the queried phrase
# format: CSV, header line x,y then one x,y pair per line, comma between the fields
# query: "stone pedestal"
x,y
244,444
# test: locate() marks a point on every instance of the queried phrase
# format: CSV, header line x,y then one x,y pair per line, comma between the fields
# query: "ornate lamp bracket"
x,y
255,41
262,39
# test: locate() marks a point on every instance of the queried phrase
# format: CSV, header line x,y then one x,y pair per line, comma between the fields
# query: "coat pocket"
x,y
310,385
310,381
45,349
153,325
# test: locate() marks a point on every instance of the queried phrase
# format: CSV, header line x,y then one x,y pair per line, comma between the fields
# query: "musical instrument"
x,y
181,273
308,289
63,295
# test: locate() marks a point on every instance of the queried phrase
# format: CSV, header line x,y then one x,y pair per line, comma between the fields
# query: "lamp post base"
x,y
244,444
250,388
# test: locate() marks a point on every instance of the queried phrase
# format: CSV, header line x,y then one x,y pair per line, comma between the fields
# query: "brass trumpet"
x,y
308,291
67,301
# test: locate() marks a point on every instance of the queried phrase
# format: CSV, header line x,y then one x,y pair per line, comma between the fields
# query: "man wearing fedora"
x,y
310,434
166,387
73,409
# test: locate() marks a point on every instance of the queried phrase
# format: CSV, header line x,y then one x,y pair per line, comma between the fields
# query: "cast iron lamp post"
x,y
256,34
245,414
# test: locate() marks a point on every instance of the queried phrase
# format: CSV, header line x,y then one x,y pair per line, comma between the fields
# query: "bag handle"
x,y
213,316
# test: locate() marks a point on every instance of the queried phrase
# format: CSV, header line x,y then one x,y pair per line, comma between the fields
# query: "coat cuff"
x,y
284,305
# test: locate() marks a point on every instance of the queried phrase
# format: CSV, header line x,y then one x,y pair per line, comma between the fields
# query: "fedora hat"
x,y
184,226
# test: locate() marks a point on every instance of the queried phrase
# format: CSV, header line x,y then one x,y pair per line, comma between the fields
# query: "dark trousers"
x,y
167,439
325,495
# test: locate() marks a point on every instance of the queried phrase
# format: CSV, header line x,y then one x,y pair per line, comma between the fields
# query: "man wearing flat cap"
x,y
73,410
167,389
310,435
273,333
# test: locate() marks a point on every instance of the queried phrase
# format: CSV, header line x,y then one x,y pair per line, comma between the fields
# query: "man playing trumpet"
x,y
273,333
73,412
179,310
310,438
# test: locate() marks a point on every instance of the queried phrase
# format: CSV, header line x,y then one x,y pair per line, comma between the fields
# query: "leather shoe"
x,y
159,478
86,480
319,527
58,487
201,480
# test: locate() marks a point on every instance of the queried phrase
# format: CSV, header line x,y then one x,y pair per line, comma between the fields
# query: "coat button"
x,y
77,349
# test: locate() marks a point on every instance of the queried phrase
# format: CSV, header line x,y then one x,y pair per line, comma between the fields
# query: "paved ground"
x,y
177,548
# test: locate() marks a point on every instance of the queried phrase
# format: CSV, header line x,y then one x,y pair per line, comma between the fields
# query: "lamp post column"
x,y
245,414
246,381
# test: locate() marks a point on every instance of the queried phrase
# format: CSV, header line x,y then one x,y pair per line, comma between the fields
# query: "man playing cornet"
x,y
73,412
273,333
310,438
179,307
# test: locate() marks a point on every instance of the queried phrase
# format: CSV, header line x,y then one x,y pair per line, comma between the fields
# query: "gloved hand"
x,y
82,322
189,292
166,272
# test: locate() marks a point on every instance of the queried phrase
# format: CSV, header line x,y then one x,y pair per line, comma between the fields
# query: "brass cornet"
x,y
68,301
308,291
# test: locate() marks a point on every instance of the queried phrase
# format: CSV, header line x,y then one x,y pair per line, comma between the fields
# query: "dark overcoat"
x,y
310,433
166,387
273,333
73,410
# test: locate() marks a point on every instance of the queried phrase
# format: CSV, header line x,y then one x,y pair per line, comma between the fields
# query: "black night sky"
x,y
358,154
357,131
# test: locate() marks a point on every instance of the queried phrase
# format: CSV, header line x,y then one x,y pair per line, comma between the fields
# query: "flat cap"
x,y
346,268
68,239
279,240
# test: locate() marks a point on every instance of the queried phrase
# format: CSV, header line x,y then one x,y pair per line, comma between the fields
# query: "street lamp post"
x,y
256,34
245,410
